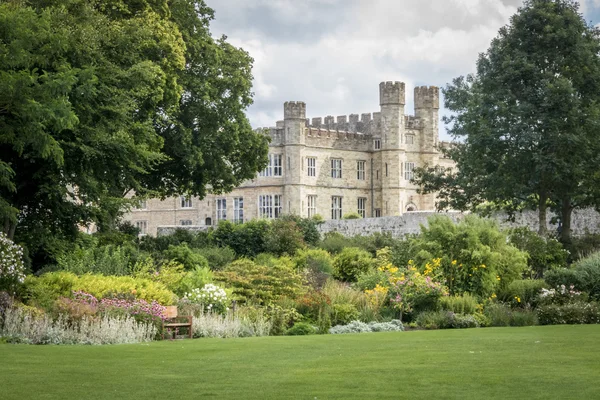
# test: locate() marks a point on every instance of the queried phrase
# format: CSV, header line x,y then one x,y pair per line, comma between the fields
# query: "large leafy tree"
x,y
104,97
527,123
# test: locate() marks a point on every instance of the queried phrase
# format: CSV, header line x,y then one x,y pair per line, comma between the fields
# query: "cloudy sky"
x,y
332,54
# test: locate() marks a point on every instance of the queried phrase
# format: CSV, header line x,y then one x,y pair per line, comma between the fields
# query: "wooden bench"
x,y
173,322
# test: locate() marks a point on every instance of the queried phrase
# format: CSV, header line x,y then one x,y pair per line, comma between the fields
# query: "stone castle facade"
x,y
326,166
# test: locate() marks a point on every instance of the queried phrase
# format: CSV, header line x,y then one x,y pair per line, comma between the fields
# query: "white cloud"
x,y
332,54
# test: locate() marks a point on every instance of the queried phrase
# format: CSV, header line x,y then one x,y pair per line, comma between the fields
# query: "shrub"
x,y
284,237
12,268
522,292
335,242
350,263
434,319
107,260
180,236
196,278
471,256
500,314
22,326
571,313
170,274
465,304
582,246
316,264
247,239
412,292
313,304
183,254
315,260
352,215
588,272
44,290
212,297
562,276
261,284
544,253
301,328
343,313
217,257
361,327
373,243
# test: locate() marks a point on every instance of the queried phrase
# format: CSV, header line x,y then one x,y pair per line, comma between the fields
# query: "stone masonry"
x,y
327,166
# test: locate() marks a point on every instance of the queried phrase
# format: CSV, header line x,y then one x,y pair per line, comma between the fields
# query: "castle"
x,y
325,166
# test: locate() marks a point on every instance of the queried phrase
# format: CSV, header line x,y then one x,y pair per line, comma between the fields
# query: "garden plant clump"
x,y
451,275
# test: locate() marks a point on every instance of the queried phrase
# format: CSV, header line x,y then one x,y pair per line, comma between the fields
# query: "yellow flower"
x,y
493,295
497,278
482,265
454,262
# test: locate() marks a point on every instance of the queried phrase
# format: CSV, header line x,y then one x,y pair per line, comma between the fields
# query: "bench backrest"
x,y
171,312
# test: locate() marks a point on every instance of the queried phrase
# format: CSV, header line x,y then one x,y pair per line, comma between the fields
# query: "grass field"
x,y
533,362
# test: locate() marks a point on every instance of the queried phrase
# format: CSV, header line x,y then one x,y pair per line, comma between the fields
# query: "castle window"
x,y
208,221
377,144
311,166
238,210
141,205
336,168
362,206
269,206
408,170
360,170
221,209
142,227
336,207
377,212
185,222
312,205
410,139
274,168
186,202
386,170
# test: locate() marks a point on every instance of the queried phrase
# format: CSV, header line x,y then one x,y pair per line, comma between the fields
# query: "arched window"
x,y
411,207
208,221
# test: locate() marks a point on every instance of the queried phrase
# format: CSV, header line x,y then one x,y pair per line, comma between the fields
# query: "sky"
x,y
332,54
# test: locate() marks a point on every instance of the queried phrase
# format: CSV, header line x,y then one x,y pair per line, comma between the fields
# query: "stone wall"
x,y
583,221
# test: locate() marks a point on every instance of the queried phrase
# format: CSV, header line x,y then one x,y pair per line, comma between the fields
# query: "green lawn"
x,y
532,362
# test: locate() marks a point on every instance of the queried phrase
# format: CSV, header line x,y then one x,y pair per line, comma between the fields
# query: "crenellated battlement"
x,y
392,93
412,122
352,123
427,97
294,110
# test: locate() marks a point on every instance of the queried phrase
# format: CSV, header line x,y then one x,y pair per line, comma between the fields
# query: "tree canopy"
x,y
526,124
104,97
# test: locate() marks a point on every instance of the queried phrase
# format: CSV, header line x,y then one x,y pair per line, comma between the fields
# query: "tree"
x,y
101,98
525,125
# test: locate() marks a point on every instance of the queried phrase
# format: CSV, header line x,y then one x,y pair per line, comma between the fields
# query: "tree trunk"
x,y
566,211
9,228
542,211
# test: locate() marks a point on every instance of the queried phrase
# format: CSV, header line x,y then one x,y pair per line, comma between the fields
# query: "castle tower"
x,y
294,125
392,101
427,104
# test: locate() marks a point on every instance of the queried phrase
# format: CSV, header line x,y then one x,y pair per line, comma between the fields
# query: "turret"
x,y
392,100
294,116
427,104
